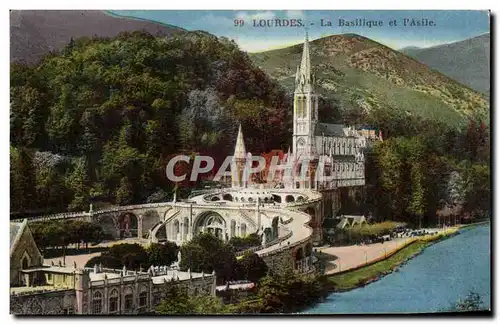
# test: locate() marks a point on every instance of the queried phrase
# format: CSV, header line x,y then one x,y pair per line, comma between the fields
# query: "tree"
x,y
252,267
22,180
162,254
79,183
207,253
178,302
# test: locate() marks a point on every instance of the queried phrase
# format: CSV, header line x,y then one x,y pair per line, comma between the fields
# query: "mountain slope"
x,y
364,74
466,61
34,33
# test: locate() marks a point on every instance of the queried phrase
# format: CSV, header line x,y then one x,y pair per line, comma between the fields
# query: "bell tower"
x,y
305,108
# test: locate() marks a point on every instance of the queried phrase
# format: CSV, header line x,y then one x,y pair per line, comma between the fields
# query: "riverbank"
x,y
377,269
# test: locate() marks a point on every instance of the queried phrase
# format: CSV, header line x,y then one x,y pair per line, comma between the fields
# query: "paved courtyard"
x,y
81,259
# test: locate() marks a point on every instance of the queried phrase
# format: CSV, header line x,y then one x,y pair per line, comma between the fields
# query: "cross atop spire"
x,y
239,149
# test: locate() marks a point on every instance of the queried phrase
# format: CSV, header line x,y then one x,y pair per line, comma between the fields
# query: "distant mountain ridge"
x,y
365,75
35,33
467,61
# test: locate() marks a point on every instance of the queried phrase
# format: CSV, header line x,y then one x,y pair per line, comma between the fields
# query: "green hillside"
x,y
467,61
365,76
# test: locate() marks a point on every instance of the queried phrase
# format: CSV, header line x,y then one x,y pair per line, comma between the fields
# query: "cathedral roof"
x,y
16,230
239,149
324,129
303,78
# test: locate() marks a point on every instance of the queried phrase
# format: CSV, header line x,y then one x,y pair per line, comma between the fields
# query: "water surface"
x,y
431,282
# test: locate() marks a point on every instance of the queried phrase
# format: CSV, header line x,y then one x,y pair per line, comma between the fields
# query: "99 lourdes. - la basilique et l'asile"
x,y
286,213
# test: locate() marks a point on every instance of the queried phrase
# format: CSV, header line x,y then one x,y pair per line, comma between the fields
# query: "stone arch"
x,y
211,222
289,198
185,229
308,249
274,225
299,254
215,198
143,296
128,296
109,225
128,225
311,212
243,229
300,199
113,302
233,228
149,220
277,198
161,234
25,261
227,197
176,230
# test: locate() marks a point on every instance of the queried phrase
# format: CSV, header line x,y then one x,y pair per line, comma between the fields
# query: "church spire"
x,y
303,78
239,149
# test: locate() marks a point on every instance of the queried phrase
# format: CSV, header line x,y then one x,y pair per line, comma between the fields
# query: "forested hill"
x,y
101,119
35,33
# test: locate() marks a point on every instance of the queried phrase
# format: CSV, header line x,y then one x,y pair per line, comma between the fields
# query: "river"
x,y
431,282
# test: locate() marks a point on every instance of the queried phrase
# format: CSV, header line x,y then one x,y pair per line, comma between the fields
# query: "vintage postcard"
x,y
250,162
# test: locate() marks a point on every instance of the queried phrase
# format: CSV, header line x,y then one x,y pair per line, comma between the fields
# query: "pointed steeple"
x,y
239,149
303,78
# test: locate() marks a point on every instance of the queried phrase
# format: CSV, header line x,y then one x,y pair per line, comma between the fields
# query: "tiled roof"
x,y
323,129
14,230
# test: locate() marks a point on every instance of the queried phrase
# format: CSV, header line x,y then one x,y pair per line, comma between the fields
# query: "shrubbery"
x,y
136,257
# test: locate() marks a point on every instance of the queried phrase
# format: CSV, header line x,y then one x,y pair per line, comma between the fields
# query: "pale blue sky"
x,y
451,25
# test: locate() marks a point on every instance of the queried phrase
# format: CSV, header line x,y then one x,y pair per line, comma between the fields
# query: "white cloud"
x,y
295,14
257,15
253,45
400,43
213,20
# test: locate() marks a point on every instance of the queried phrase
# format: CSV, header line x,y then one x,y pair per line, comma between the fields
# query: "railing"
x,y
248,218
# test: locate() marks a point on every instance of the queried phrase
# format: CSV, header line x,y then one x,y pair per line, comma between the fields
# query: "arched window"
x,y
250,200
25,263
143,299
186,229
243,229
233,228
113,301
129,300
97,303
176,229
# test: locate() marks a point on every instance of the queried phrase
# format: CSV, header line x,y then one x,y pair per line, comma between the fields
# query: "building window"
x,y
113,301
68,311
97,303
143,299
49,276
129,302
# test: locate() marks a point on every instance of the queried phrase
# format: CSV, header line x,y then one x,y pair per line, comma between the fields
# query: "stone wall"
x,y
43,303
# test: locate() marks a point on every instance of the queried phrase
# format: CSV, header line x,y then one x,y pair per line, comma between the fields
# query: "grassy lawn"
x,y
353,279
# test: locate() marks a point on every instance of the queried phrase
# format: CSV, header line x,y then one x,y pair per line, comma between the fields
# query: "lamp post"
x,y
385,250
366,257
340,266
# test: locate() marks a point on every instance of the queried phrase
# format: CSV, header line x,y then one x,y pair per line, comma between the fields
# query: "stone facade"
x,y
23,252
